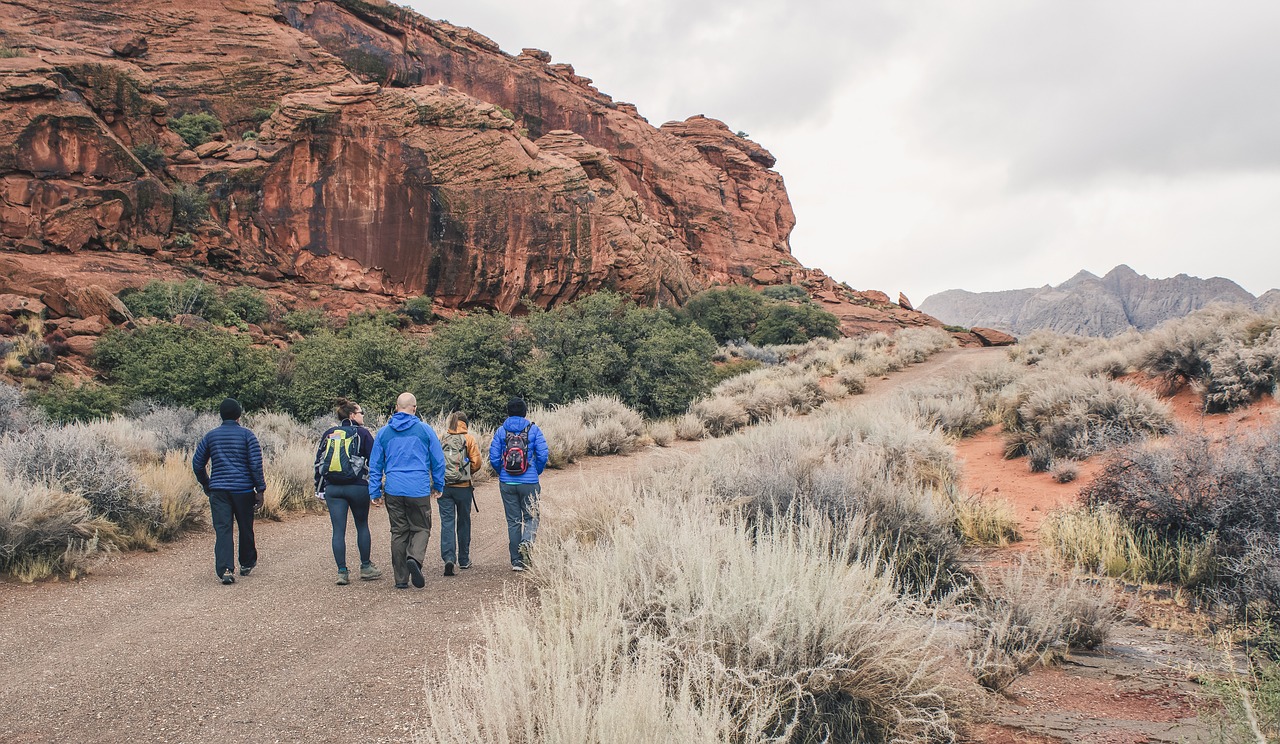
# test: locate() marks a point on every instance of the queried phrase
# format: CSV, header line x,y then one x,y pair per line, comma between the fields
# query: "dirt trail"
x,y
150,647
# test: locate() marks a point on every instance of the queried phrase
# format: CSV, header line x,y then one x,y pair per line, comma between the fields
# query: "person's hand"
x,y
258,497
436,495
319,495
377,502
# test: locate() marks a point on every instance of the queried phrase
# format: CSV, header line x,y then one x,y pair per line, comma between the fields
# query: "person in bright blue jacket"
x,y
406,471
518,454
228,464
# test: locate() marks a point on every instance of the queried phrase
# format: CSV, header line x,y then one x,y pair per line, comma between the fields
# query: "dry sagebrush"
x,y
678,625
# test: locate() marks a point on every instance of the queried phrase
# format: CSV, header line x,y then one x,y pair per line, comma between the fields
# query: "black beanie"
x,y
230,409
516,407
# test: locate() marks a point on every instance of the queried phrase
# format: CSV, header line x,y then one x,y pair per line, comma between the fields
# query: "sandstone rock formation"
x,y
366,149
1087,305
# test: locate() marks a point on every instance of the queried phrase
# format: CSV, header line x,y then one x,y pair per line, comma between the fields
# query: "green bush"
x,y
367,362
722,372
150,156
196,129
785,292
260,115
64,402
671,366
249,135
190,206
305,322
195,367
418,309
247,304
166,300
794,324
476,364
728,314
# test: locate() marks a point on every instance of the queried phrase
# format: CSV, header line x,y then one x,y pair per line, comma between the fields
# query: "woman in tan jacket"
x,y
462,460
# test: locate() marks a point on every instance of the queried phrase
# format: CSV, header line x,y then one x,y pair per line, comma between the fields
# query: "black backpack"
x,y
515,457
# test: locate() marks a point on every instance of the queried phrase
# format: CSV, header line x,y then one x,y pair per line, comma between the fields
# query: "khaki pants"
x,y
410,531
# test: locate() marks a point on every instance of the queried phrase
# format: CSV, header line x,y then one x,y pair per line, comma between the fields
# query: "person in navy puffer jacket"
x,y
408,457
519,488
235,487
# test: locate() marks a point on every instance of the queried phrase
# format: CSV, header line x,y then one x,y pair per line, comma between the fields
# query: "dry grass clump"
x,y
1034,614
73,460
661,432
984,521
1048,416
278,432
174,427
720,416
1064,471
595,425
290,476
678,626
690,428
45,530
15,413
1102,541
183,506
136,443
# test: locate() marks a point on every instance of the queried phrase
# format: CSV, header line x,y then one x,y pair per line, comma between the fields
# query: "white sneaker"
x,y
514,567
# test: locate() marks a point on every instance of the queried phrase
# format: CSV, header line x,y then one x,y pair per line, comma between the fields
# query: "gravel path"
x,y
150,647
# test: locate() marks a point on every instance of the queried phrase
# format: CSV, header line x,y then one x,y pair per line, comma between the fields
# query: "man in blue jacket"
x,y
406,470
235,487
518,454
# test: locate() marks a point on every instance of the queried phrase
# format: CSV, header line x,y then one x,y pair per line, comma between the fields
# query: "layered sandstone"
x,y
369,150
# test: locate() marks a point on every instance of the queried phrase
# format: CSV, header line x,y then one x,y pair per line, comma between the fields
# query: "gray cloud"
x,y
1065,92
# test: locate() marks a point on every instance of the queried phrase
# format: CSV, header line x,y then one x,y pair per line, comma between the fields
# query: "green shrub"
x,y
260,115
190,206
792,324
166,300
306,321
196,129
418,309
368,362
786,292
476,364
727,314
670,367
7,52
246,304
195,367
65,403
151,156
249,135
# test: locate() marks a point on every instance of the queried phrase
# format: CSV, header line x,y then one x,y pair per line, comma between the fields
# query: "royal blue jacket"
x,y
233,454
538,452
407,453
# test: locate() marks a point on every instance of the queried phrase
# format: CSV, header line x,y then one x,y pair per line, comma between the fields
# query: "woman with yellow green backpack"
x,y
342,482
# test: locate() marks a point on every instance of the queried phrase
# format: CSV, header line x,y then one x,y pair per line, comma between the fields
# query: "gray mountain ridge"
x,y
1089,305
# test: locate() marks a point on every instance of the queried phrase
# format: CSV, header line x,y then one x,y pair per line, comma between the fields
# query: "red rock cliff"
x,y
390,154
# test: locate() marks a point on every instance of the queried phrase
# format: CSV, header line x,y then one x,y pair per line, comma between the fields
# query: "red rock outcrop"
x,y
368,149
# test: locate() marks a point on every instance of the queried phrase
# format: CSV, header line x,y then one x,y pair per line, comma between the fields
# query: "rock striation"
x,y
367,149
1089,305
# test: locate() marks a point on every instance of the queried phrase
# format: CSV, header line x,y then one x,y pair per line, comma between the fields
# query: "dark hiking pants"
x,y
226,506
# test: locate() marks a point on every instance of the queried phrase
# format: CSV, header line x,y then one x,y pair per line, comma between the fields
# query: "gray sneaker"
x,y
344,577
370,572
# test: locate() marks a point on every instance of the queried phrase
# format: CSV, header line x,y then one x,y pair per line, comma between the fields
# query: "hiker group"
x,y
405,467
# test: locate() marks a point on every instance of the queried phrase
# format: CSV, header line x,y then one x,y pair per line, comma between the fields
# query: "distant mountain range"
x,y
1089,305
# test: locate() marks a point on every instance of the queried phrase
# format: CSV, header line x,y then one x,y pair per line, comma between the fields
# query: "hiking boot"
x,y
448,568
344,577
228,577
244,570
517,567
465,566
415,573
526,553
402,585
370,572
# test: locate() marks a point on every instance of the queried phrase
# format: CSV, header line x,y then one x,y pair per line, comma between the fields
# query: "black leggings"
x,y
355,499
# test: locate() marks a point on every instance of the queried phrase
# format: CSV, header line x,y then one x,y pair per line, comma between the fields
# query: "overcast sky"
x,y
930,145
